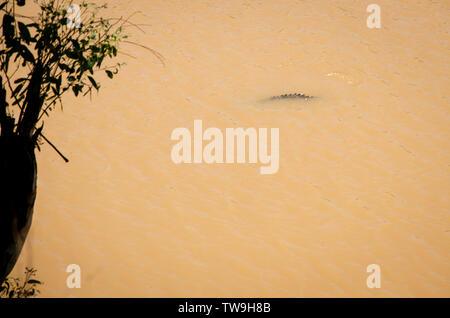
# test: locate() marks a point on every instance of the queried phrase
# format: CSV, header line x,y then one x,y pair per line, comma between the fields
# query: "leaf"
x,y
3,4
64,67
20,3
5,65
75,44
8,29
73,55
26,54
34,281
109,73
53,80
33,25
22,79
58,84
17,89
91,63
94,83
24,33
77,88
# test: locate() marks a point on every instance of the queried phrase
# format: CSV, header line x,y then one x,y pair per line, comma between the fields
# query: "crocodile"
x,y
290,96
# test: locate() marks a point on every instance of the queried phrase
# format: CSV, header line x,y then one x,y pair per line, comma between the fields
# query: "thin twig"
x,y
56,149
158,55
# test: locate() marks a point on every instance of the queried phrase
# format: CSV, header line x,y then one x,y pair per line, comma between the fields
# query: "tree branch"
x,y
56,149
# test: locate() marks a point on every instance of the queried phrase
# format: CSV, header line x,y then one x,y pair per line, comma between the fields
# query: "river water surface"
x,y
364,172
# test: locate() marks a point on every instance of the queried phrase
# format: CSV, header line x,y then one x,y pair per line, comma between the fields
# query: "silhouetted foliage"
x,y
41,58
16,288
45,56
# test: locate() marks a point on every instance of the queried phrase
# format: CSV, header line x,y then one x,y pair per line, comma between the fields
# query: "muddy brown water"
x,y
364,172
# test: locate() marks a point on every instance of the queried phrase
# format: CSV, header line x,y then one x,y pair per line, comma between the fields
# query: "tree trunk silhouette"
x,y
36,60
18,176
